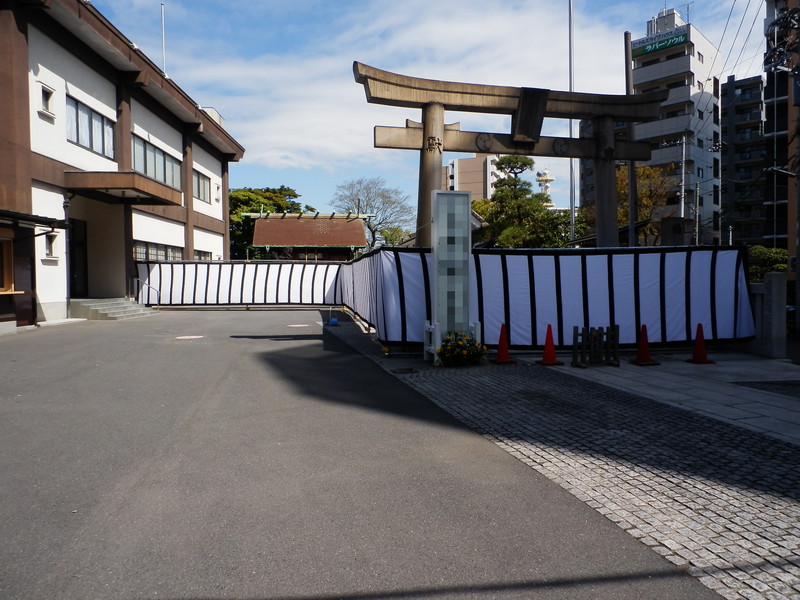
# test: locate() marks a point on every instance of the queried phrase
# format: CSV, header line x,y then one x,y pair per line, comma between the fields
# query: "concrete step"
x,y
108,309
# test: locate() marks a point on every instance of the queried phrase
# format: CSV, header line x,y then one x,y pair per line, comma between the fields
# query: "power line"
x,y
710,97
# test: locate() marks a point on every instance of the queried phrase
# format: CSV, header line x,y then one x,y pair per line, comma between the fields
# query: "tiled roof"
x,y
309,232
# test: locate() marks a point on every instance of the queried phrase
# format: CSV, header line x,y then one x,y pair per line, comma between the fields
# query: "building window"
x,y
150,252
700,56
155,163
89,129
50,245
700,172
46,106
201,187
202,255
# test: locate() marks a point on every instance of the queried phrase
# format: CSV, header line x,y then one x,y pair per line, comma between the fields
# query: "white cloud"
x,y
280,73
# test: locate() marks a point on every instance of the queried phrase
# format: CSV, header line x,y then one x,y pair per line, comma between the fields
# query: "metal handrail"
x,y
157,291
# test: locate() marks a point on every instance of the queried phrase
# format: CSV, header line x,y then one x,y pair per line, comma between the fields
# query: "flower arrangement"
x,y
458,349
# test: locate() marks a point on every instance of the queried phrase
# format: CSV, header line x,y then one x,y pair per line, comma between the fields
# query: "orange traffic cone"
x,y
699,356
502,357
549,358
643,351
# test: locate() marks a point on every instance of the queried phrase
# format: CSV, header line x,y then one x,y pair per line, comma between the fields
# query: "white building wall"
x,y
212,168
150,228
158,132
208,241
63,73
51,270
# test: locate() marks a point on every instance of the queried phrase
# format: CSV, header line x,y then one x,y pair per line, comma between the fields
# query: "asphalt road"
x,y
264,458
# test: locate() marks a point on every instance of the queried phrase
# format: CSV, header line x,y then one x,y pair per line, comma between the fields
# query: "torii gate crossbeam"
x,y
528,107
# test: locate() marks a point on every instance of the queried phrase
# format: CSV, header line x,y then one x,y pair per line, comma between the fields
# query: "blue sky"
x,y
280,71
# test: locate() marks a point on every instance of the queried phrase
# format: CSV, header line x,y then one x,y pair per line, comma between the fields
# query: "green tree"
x,y
516,217
766,260
654,187
250,200
390,207
393,235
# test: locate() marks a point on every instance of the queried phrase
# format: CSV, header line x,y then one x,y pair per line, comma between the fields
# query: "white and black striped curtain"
x,y
670,290
211,283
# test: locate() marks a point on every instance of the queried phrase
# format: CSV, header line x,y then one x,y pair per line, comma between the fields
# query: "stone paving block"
x,y
717,498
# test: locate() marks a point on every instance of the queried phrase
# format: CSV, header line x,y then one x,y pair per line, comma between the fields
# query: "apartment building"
x,y
476,175
104,160
748,193
685,139
675,56
781,97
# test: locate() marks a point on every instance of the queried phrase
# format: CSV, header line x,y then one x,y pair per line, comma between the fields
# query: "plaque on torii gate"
x,y
528,107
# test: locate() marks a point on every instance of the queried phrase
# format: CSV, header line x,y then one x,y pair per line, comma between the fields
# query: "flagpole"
x,y
571,160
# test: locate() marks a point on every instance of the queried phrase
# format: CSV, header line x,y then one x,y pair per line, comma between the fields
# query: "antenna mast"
x,y
163,45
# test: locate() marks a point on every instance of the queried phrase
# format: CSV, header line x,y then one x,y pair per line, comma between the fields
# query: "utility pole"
x,y
632,188
697,214
683,176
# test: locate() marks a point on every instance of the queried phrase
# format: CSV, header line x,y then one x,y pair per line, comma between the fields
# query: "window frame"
x,y
158,164
46,101
85,125
154,252
201,186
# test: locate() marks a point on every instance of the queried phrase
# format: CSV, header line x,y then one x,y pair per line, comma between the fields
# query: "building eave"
x,y
121,187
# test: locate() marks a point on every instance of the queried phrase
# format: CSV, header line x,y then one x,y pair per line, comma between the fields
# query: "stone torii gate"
x,y
528,107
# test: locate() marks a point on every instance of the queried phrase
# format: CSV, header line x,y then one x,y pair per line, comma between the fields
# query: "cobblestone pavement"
x,y
720,500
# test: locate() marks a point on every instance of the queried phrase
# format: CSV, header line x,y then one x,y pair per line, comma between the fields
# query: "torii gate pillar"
x,y
606,188
430,169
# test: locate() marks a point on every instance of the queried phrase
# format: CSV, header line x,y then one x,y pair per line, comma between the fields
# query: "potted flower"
x,y
459,349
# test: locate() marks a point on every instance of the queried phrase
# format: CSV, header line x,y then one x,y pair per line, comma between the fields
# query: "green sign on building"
x,y
674,37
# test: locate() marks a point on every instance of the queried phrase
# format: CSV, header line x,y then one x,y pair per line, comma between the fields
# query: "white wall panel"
x,y
212,168
65,74
209,241
151,228
156,131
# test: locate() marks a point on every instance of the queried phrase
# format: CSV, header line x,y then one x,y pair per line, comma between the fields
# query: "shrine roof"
x,y
293,231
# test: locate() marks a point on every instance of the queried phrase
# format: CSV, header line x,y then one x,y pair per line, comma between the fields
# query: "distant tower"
x,y
544,179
